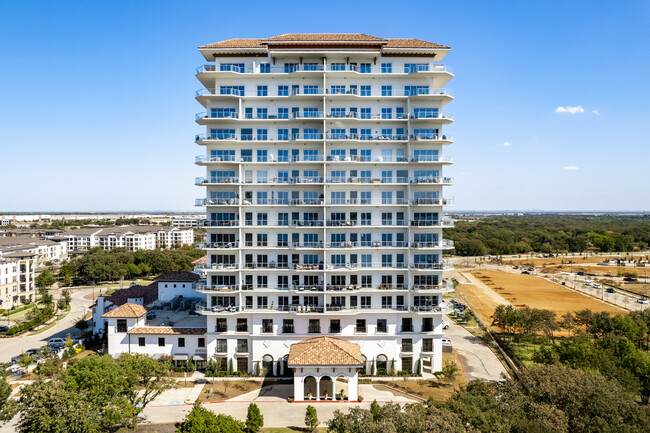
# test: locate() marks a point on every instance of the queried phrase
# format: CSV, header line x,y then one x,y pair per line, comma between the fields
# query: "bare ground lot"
x,y
524,290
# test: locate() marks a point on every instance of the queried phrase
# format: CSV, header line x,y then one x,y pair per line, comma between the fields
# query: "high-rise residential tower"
x,y
324,158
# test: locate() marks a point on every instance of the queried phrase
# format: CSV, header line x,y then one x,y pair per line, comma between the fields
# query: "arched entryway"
x,y
267,364
341,388
382,363
310,388
326,387
284,368
365,365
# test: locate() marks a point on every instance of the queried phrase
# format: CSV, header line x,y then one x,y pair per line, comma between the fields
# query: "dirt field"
x,y
225,390
521,290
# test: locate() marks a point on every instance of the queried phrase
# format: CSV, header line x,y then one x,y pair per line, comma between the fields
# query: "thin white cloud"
x,y
596,112
506,144
571,110
570,167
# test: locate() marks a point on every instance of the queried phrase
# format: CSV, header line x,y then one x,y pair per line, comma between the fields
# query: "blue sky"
x,y
97,107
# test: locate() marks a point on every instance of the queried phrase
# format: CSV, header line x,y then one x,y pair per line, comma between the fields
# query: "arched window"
x,y
382,363
365,362
267,363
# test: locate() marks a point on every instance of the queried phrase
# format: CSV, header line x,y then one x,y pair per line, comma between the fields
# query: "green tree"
x,y
450,369
81,324
311,418
8,406
254,419
45,279
201,420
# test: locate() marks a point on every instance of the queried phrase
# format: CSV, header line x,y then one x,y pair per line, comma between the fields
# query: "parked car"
x,y
33,352
56,341
515,267
643,301
4,328
630,279
581,273
13,369
446,341
151,315
588,283
531,269
597,286
610,290
525,272
15,359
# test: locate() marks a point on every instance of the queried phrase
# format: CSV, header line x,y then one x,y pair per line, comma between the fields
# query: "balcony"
x,y
237,93
432,202
368,202
445,287
203,285
441,266
444,244
216,202
259,69
215,180
367,137
200,138
202,159
432,223
220,245
220,223
281,202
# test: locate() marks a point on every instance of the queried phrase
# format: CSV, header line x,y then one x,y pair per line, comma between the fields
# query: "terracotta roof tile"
x,y
411,43
324,351
126,311
167,330
235,43
178,276
323,37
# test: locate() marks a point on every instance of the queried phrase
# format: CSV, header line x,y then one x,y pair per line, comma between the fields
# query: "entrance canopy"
x,y
320,363
325,352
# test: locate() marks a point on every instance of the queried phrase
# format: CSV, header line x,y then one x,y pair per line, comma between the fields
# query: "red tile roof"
x,y
126,311
412,43
323,37
235,43
324,351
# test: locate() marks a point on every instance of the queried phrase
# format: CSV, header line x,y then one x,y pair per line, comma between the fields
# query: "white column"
x,y
298,386
318,389
353,386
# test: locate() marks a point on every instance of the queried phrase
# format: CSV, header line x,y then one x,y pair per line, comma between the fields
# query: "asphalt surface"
x,y
78,307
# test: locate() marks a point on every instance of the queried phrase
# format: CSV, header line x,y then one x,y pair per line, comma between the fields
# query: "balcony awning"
x,y
180,357
199,357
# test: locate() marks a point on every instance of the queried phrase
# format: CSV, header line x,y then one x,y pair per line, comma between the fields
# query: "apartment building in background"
x,y
17,279
132,237
324,157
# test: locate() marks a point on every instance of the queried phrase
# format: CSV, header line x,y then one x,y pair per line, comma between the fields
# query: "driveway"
x,y
78,306
478,361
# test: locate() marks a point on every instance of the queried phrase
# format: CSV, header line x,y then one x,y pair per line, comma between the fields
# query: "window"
x,y
407,324
427,345
283,90
201,342
262,90
242,364
290,67
366,302
267,325
161,342
365,90
407,363
221,325
386,90
381,325
366,113
386,113
222,346
335,326
365,68
407,345
310,90
386,68
382,363
121,325
337,67
314,326
181,342
360,326
242,346
387,302
337,89
265,68
141,341
287,326
242,325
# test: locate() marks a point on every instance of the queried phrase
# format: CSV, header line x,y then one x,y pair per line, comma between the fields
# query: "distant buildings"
x,y
130,237
193,222
42,249
17,275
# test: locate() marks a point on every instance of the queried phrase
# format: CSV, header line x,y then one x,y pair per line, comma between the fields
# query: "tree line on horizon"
x,y
550,234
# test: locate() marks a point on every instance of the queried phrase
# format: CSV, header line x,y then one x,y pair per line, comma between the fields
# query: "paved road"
x,y
478,361
16,345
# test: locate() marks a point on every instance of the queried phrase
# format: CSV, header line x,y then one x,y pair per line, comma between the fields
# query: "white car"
x,y
643,301
597,286
14,368
445,324
588,283
446,341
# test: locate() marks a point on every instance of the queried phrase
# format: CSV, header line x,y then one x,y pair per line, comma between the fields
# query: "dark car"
x,y
151,315
610,290
630,279
580,273
4,328
525,272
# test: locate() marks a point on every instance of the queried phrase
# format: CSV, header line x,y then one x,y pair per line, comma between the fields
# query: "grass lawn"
x,y
223,390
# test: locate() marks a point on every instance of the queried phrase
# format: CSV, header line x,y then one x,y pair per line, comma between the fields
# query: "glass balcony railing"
x,y
298,68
